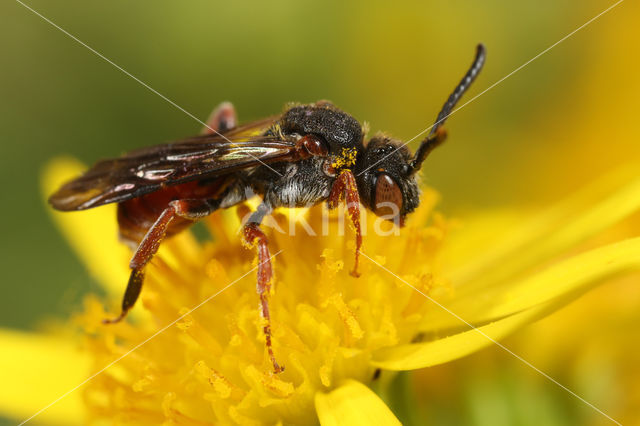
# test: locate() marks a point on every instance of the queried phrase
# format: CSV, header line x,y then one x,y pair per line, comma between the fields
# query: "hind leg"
x,y
188,209
221,119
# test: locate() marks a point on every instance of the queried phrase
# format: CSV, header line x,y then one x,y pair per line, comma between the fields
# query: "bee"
x,y
309,154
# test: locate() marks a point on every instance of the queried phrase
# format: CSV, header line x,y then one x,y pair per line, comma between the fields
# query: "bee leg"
x,y
222,118
254,237
188,209
345,187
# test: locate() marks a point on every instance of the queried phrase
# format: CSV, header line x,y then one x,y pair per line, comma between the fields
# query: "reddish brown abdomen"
x,y
137,215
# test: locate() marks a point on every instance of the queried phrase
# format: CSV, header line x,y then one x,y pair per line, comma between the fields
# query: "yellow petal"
x,y
35,371
579,217
353,404
526,301
510,255
575,274
571,276
93,234
421,355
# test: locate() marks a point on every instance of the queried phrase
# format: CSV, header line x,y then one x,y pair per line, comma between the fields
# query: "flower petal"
x,y
572,276
600,204
575,274
421,355
527,301
491,274
37,369
353,404
93,234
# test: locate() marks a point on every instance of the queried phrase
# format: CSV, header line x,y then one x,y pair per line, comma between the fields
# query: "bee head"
x,y
386,181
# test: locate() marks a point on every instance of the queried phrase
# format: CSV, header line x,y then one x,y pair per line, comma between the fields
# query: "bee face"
x,y
386,183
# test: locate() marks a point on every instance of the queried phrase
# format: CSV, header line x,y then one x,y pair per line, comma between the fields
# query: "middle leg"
x,y
253,236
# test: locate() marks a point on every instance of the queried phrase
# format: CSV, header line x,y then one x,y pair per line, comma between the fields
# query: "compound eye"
x,y
388,196
314,145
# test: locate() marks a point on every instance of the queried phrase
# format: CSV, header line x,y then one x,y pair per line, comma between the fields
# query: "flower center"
x,y
211,366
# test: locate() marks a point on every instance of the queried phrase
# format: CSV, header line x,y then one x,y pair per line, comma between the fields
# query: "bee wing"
x,y
149,169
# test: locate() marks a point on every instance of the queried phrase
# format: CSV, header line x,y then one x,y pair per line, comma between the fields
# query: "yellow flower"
x,y
193,352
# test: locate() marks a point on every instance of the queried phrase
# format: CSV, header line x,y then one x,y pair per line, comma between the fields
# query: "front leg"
x,y
345,187
254,237
188,209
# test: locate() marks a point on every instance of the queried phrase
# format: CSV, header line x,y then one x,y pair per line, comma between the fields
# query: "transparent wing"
x,y
149,169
